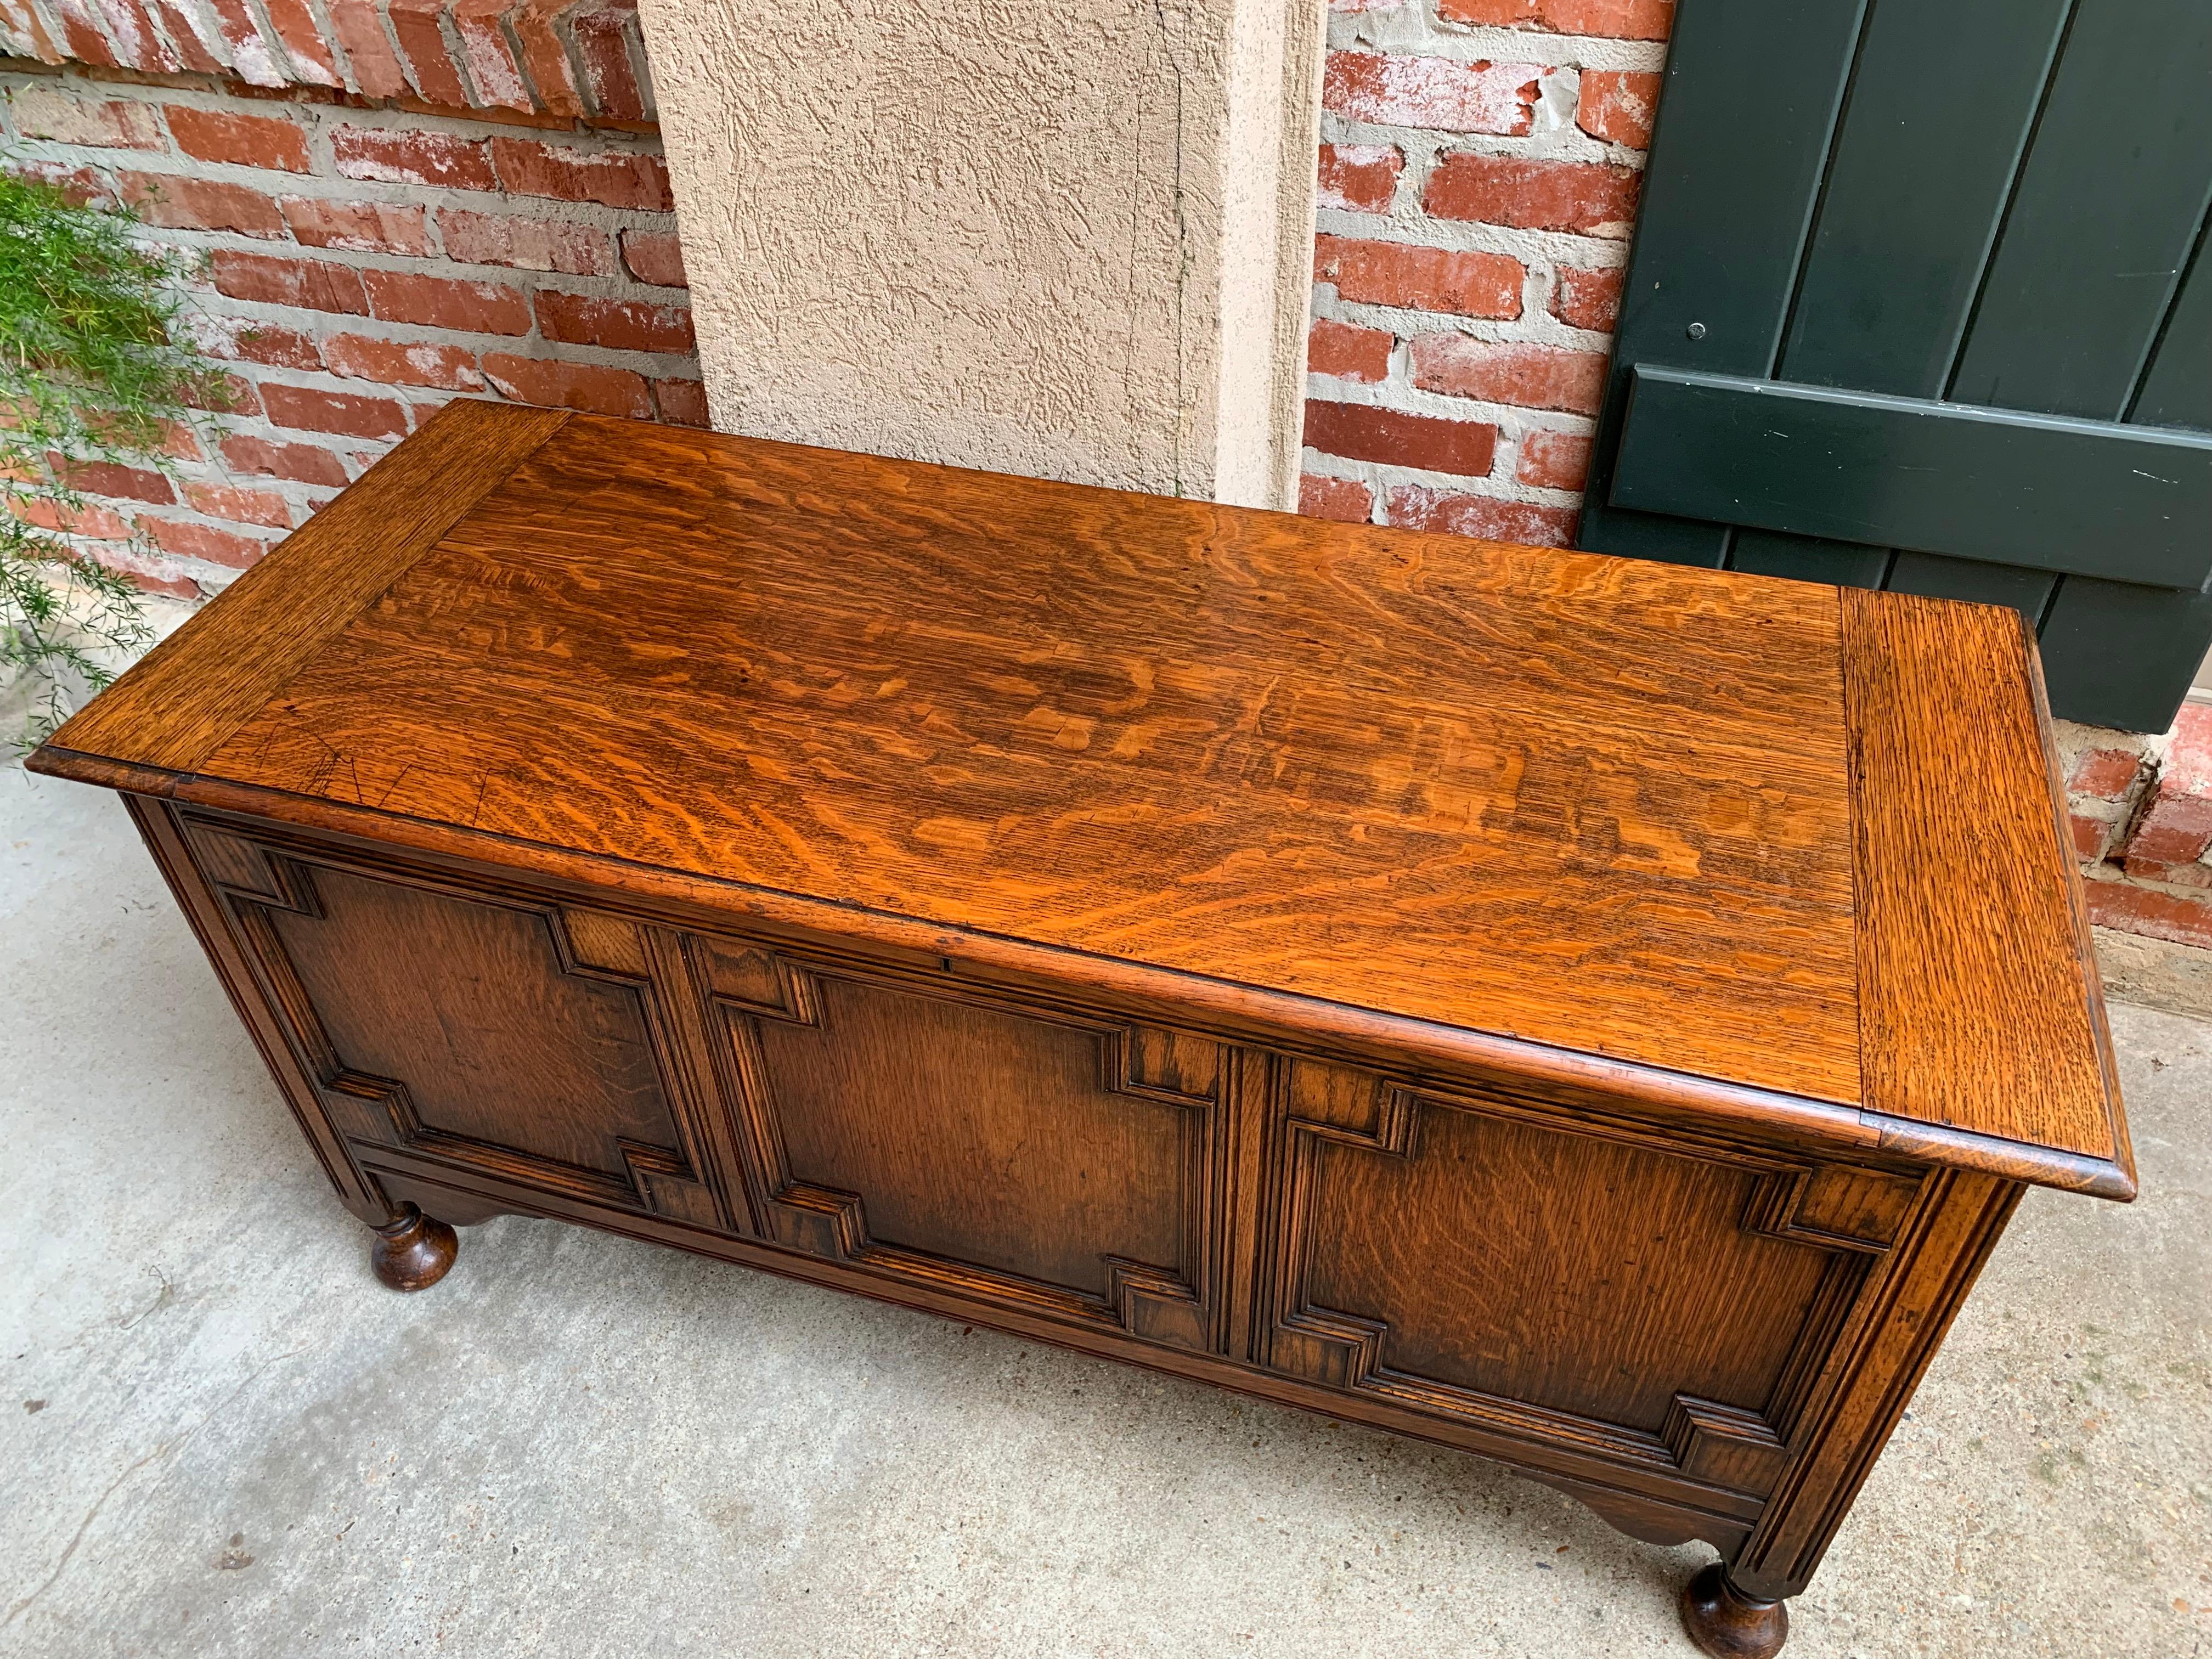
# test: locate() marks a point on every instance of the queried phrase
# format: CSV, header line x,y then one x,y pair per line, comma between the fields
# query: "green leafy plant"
x,y
94,372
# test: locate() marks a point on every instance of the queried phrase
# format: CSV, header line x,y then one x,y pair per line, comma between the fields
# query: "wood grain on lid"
x,y
1978,1001
1577,799
192,691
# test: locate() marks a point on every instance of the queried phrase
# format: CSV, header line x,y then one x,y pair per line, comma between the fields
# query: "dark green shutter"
x,y
1919,299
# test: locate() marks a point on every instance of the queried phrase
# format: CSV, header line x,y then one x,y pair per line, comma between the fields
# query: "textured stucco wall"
x,y
1070,241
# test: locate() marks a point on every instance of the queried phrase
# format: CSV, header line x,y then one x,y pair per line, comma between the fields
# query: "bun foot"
x,y
412,1251
1729,1624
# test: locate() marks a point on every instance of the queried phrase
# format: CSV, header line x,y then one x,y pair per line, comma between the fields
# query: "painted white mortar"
x,y
1071,241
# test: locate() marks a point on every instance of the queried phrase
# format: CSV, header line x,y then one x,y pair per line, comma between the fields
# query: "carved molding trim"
x,y
1830,1207
1723,1445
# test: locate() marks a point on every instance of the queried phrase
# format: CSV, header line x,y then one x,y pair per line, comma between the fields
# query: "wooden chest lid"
x,y
1759,848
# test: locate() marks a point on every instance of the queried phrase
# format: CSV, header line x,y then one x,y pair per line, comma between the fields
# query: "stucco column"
x,y
1072,240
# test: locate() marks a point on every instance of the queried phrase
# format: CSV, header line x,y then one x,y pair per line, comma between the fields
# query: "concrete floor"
x,y
222,1437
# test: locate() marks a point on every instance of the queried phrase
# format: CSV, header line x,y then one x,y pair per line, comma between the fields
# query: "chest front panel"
x,y
1648,1305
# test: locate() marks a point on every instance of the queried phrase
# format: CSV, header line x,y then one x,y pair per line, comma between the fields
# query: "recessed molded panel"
x,y
468,1004
1454,1257
522,1039
1063,1162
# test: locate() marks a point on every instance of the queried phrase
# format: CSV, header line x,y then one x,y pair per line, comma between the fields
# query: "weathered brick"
x,y
2165,856
618,179
1618,105
1440,92
360,30
493,71
587,386
363,227
683,402
1592,198
2106,774
398,155
1346,500
2188,768
2177,829
244,46
618,325
310,284
92,520
24,34
239,506
1360,432
1360,178
1618,19
403,362
654,256
1587,296
149,575
137,44
406,296
142,45
193,34
1348,351
175,201
1419,507
113,480
303,36
81,186
81,36
246,141
1553,460
495,238
307,409
2185,919
414,25
2194,874
251,340
1473,284
302,463
221,393
1532,376
179,443
2091,836
45,112
545,54
605,43
187,540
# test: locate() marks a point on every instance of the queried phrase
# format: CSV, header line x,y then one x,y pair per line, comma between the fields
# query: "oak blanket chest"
x,y
1593,1013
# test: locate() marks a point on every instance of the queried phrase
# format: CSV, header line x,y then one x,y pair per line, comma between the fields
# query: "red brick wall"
x,y
1478,172
2141,811
426,205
